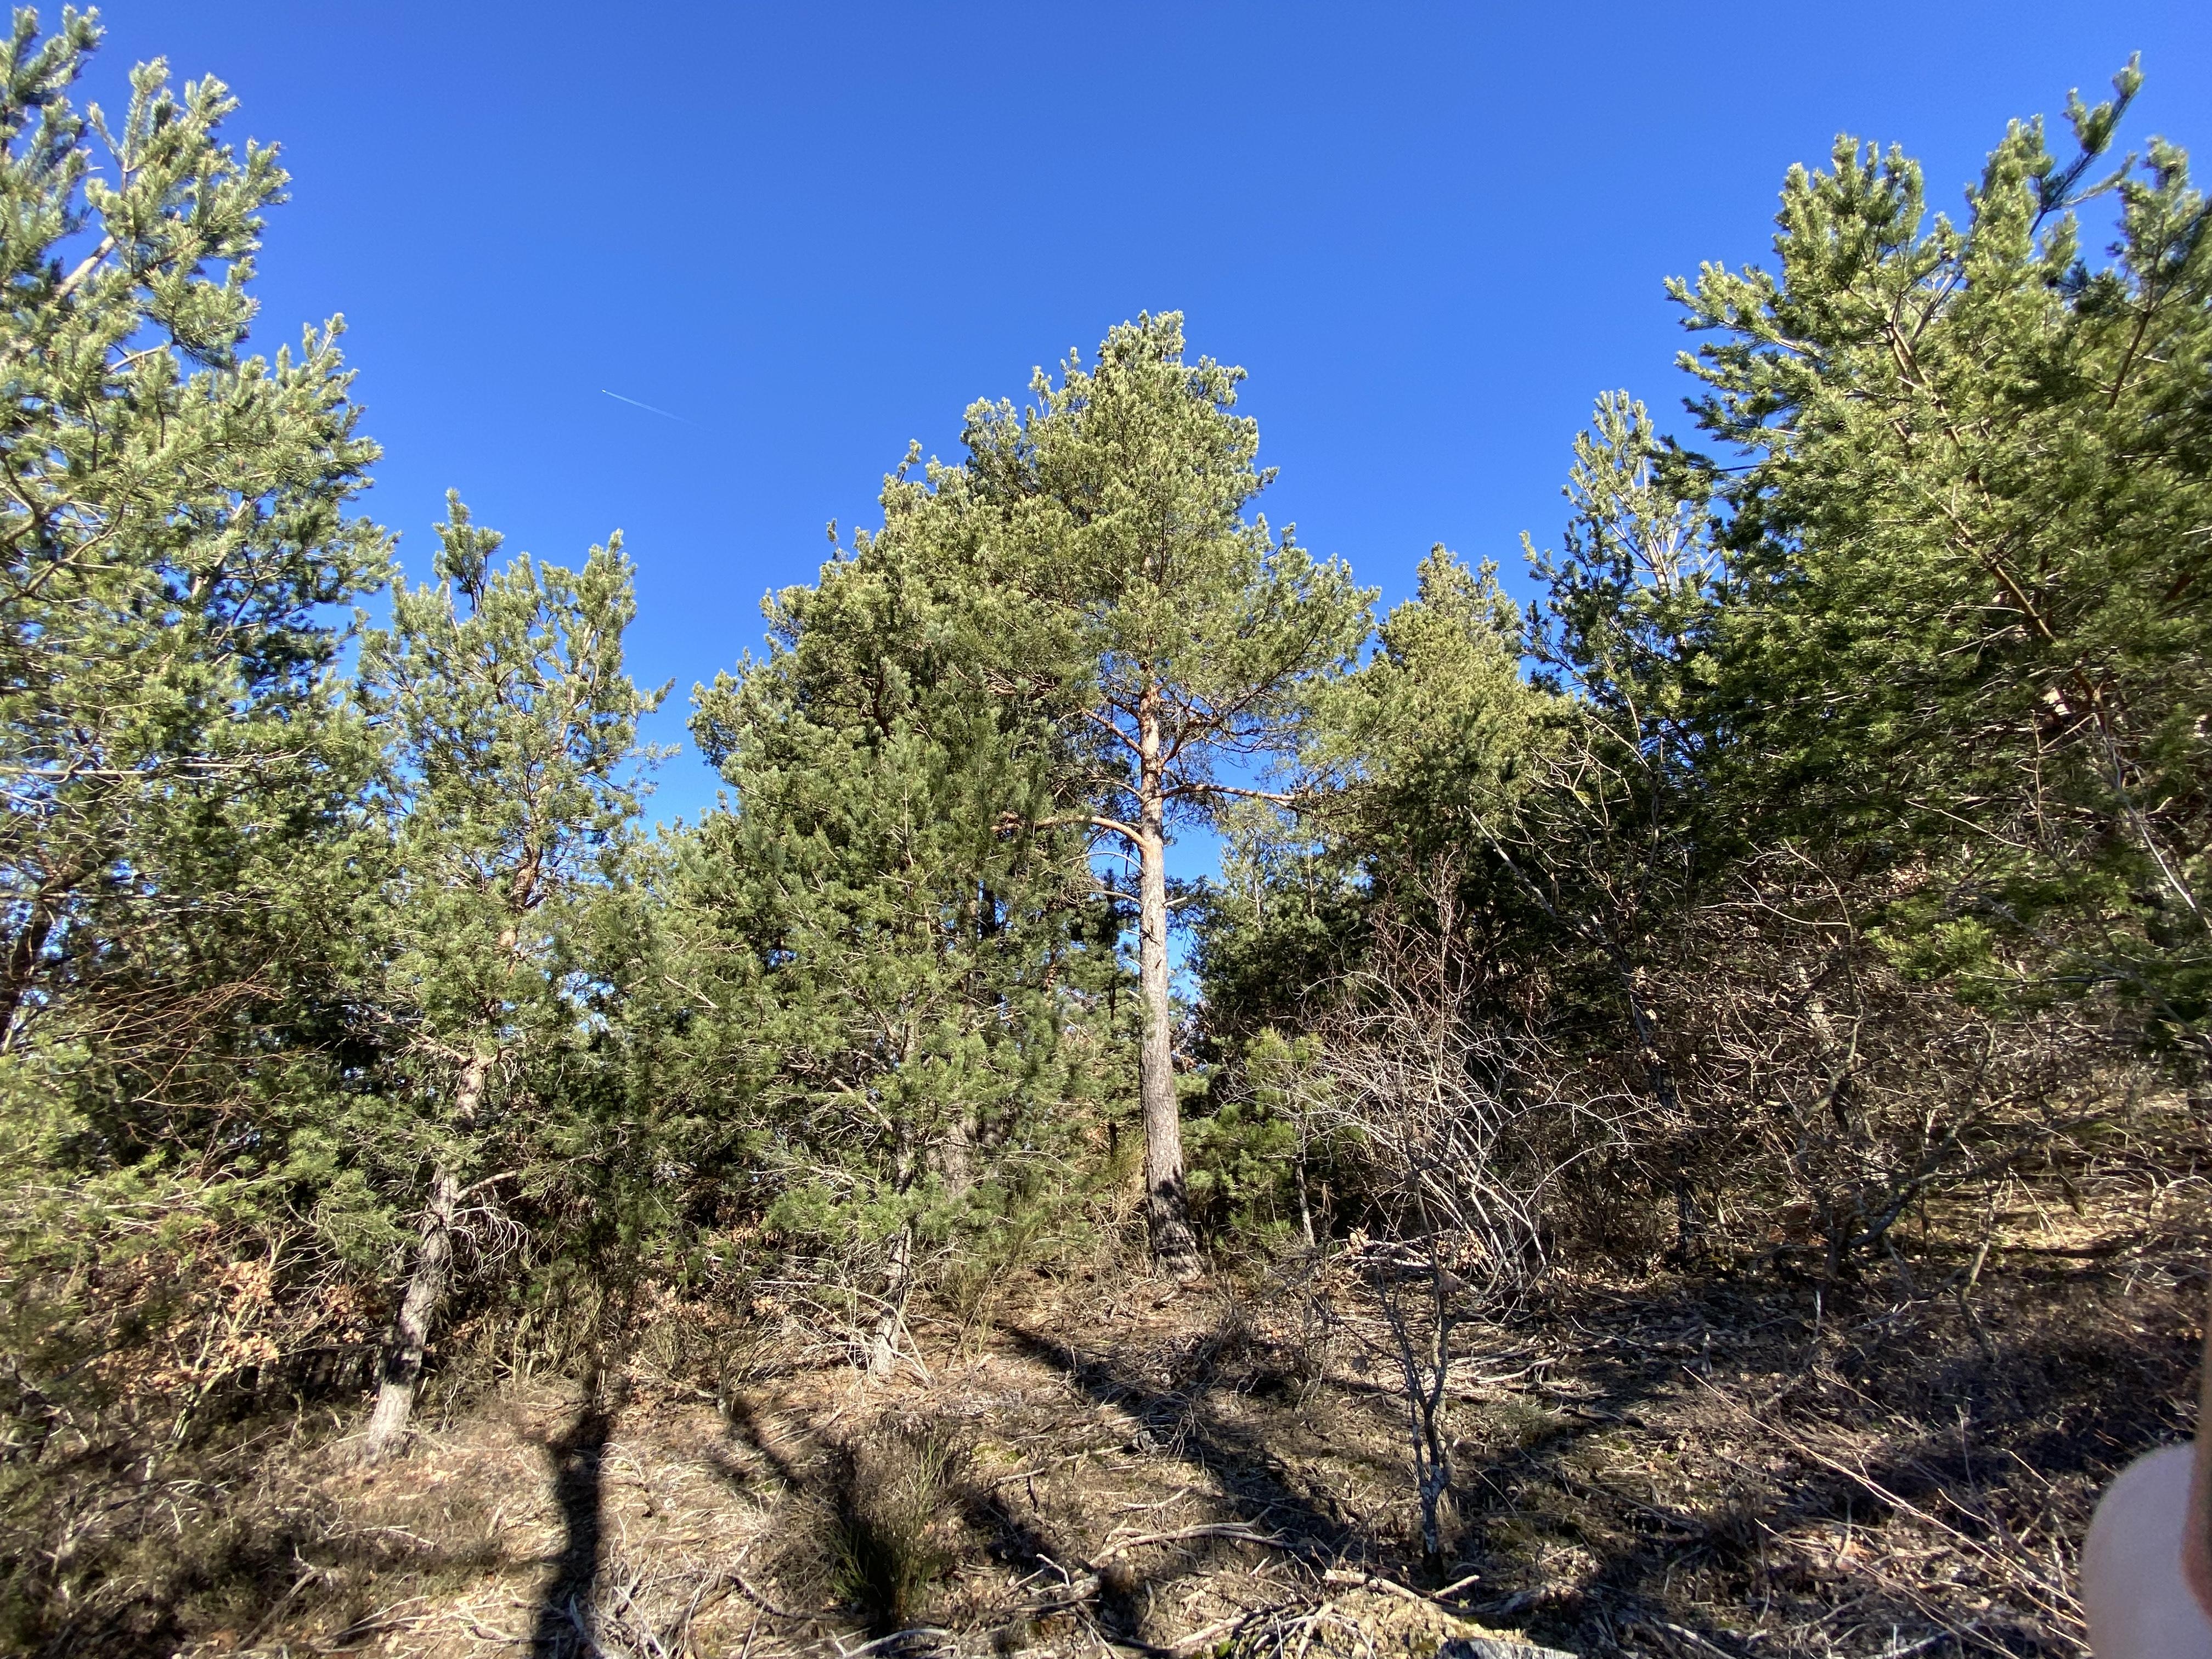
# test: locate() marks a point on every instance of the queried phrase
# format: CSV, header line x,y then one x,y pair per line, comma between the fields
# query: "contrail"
x,y
648,408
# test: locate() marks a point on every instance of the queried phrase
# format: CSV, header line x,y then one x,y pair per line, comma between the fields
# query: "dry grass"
x,y
1664,1465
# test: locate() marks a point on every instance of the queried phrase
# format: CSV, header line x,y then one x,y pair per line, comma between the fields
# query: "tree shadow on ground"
x,y
1260,1488
1715,1446
563,1626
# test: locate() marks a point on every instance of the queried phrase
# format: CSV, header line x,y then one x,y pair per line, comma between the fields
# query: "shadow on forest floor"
x,y
575,1456
1649,1467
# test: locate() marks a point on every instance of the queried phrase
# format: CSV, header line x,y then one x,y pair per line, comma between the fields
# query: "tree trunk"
x,y
22,965
410,1329
1167,1211
29,947
426,1288
898,1269
1661,1076
898,1277
954,1156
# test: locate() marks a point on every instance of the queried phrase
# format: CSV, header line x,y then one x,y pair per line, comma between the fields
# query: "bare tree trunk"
x,y
1305,1204
898,1277
954,1156
1167,1211
410,1329
426,1287
1661,1078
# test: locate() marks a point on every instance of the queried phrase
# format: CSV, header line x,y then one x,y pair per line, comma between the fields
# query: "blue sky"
x,y
811,232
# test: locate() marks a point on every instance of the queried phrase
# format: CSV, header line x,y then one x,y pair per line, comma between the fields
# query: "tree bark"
x,y
1167,1210
898,1279
1661,1076
426,1287
410,1328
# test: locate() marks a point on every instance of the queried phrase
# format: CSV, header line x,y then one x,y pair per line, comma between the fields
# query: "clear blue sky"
x,y
815,231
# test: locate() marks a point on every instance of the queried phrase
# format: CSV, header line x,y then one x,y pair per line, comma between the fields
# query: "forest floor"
x,y
1728,1465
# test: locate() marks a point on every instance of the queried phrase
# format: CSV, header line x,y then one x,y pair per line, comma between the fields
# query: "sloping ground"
x,y
1662,1467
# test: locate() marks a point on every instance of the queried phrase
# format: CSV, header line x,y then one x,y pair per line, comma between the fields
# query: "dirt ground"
x,y
1731,1464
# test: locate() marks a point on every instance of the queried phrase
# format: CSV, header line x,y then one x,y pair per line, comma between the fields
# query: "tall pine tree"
x,y
173,534
1194,636
512,734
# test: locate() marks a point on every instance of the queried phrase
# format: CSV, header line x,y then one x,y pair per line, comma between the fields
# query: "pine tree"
x,y
880,940
512,734
1194,636
1437,732
1967,635
187,899
172,524
1612,840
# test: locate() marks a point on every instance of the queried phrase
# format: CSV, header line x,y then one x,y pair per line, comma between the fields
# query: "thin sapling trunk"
x,y
409,1339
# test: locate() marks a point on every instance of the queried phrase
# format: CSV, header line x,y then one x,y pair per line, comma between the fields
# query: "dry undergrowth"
x,y
1726,1465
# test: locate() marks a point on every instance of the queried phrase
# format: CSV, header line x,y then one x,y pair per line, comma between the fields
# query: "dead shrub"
x,y
1453,1133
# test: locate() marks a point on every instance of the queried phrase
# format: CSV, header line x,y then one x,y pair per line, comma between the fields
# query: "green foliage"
x,y
1254,1173
187,903
1437,723
895,1494
512,786
1628,607
1612,835
893,966
1964,631
1117,505
172,538
513,736
1434,735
